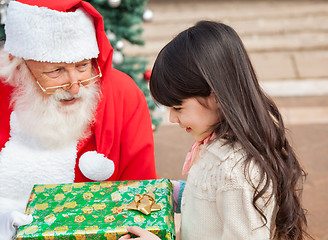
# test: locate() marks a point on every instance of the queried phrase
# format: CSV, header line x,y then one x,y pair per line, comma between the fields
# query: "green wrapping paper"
x,y
96,210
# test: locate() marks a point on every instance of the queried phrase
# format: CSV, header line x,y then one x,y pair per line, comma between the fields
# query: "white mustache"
x,y
66,96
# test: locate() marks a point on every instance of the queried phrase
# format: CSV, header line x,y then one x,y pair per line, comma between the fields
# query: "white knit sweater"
x,y
217,199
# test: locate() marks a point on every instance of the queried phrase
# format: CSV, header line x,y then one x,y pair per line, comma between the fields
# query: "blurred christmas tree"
x,y
3,9
123,24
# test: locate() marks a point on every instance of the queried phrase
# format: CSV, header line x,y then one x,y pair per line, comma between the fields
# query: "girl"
x,y
244,180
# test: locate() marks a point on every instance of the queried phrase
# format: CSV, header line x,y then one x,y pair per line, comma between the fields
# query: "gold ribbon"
x,y
144,203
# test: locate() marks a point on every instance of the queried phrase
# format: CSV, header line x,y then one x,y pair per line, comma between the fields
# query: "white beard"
x,y
47,120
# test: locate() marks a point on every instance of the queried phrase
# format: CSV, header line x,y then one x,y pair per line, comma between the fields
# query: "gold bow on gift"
x,y
144,203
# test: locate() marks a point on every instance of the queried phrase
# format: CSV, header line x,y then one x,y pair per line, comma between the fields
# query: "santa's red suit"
x,y
122,131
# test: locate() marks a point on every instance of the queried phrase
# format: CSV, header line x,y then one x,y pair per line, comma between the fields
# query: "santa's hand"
x,y
9,221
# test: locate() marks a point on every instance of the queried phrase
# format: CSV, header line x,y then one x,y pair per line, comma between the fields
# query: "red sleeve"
x,y
5,111
137,145
123,130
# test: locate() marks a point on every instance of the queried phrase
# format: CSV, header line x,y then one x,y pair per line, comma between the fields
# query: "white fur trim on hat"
x,y
96,166
46,35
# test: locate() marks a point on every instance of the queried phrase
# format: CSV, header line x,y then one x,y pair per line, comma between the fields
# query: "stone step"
x,y
291,42
246,26
286,40
309,87
252,21
269,66
291,65
172,11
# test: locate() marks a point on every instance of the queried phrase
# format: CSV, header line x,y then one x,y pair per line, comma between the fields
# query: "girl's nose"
x,y
173,116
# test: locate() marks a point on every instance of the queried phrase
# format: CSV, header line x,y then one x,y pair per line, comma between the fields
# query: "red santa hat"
x,y
55,36
65,31
56,31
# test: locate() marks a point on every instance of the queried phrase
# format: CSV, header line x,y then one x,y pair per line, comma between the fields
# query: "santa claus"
x,y
66,114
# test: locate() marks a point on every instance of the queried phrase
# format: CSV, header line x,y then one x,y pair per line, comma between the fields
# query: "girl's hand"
x,y
141,233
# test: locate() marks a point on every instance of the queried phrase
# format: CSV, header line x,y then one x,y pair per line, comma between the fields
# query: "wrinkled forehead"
x,y
37,66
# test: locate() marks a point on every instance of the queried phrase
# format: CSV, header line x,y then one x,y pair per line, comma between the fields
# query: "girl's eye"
x,y
177,108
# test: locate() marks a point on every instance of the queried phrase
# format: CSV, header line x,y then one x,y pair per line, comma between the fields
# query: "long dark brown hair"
x,y
210,57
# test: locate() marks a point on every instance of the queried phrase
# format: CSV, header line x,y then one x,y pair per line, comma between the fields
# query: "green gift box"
x,y
97,210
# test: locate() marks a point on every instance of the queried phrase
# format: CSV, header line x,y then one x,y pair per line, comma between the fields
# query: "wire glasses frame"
x,y
64,87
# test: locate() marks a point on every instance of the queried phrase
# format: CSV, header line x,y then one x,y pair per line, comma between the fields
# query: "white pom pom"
x,y
96,166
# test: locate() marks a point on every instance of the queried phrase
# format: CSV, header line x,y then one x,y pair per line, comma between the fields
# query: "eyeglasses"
x,y
64,87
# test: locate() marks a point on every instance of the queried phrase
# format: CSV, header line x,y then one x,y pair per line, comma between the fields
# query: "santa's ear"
x,y
11,58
